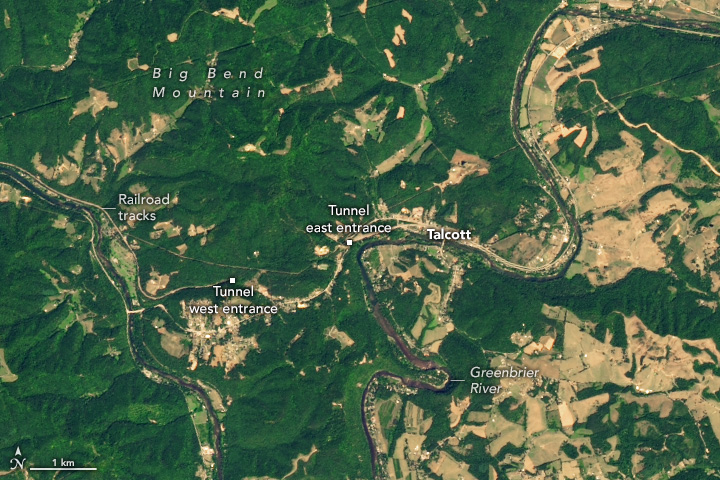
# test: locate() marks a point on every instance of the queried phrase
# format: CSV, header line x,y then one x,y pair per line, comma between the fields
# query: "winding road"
x,y
94,214
67,204
552,178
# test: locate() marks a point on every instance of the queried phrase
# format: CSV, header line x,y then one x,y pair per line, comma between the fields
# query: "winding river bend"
x,y
424,365
92,214
64,203
545,170
546,173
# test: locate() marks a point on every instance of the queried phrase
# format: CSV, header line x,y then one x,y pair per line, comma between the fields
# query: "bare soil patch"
x,y
286,150
157,282
64,171
399,37
6,375
173,343
10,194
127,140
450,469
390,57
340,336
463,165
330,81
301,458
367,120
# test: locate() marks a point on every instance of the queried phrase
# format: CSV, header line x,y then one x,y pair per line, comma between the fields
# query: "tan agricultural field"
x,y
656,402
648,368
173,343
342,337
457,408
700,248
546,448
503,432
584,408
462,165
606,190
450,469
5,374
536,421
95,103
556,78
415,421
157,281
614,246
520,247
330,81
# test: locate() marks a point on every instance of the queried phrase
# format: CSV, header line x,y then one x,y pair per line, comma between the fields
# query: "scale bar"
x,y
63,469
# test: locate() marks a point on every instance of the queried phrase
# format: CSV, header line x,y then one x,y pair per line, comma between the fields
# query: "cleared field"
x,y
590,388
341,337
449,468
95,103
5,374
463,165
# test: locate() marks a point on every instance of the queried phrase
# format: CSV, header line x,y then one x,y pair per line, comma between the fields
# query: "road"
x,y
552,178
95,215
92,214
422,364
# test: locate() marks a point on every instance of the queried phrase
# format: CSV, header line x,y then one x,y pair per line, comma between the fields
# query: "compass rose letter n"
x,y
16,462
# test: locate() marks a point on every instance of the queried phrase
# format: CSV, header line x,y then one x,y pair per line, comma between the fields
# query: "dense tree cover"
x,y
72,399
657,61
509,303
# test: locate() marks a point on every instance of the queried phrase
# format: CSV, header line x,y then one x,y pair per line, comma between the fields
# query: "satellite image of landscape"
x,y
359,239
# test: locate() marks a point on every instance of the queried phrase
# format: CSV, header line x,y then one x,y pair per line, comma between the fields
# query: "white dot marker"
x,y
349,242
232,279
